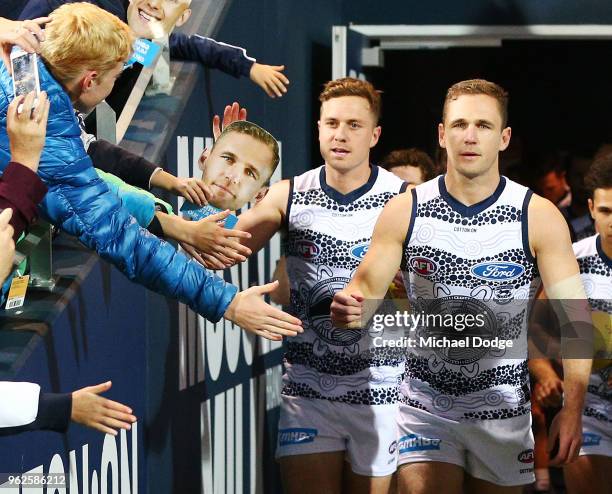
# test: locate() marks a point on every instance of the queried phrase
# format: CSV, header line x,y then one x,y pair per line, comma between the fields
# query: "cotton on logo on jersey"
x,y
296,436
497,271
359,251
423,266
412,442
308,249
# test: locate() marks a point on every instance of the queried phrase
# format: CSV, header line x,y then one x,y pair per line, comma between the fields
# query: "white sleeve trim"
x,y
158,169
243,50
18,403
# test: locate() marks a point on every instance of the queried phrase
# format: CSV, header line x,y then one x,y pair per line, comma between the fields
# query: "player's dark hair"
x,y
411,157
600,174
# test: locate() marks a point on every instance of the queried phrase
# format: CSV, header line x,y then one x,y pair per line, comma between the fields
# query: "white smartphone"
x,y
25,73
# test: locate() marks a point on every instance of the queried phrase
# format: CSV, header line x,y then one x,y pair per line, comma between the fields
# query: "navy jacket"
x,y
232,60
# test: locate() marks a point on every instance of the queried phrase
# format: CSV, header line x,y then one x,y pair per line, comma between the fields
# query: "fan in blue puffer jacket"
x,y
87,47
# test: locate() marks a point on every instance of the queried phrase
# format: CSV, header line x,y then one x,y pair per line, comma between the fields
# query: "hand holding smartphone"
x,y
24,67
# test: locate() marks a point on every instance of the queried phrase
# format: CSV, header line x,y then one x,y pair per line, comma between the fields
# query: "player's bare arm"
x,y
379,266
551,245
266,218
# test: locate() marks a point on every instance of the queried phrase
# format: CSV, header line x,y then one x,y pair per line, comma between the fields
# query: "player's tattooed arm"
x,y
378,267
550,243
266,218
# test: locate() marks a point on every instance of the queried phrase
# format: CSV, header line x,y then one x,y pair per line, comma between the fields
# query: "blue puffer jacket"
x,y
80,203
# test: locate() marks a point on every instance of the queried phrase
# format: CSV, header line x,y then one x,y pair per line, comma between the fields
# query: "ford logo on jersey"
x,y
423,266
497,271
307,249
296,436
359,251
412,442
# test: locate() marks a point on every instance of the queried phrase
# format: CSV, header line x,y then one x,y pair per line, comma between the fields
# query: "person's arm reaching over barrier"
x,y
206,236
25,408
138,171
232,60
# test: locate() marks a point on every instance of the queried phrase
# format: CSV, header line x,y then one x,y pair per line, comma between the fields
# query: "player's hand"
x,y
566,429
218,262
7,245
231,114
346,309
26,34
270,78
206,260
194,253
209,236
192,189
249,311
102,414
27,130
549,392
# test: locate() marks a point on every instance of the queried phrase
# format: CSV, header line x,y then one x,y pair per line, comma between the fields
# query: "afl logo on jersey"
x,y
526,456
359,251
423,266
497,271
308,249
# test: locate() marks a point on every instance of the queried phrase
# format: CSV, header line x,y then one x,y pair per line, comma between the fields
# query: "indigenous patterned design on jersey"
x,y
475,260
596,273
328,234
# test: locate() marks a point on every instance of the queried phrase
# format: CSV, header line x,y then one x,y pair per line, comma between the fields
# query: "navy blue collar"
x,y
474,209
601,252
345,199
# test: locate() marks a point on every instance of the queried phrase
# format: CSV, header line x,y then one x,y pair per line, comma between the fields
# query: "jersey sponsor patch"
x,y
526,456
590,439
308,249
423,266
359,251
413,442
497,271
296,436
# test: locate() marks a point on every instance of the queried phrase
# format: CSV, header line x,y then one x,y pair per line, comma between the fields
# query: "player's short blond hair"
x,y
81,36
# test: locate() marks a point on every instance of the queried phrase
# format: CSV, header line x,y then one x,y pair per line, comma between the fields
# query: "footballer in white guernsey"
x,y
471,244
592,472
340,393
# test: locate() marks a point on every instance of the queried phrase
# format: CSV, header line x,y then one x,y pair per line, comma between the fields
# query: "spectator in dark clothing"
x,y
157,18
